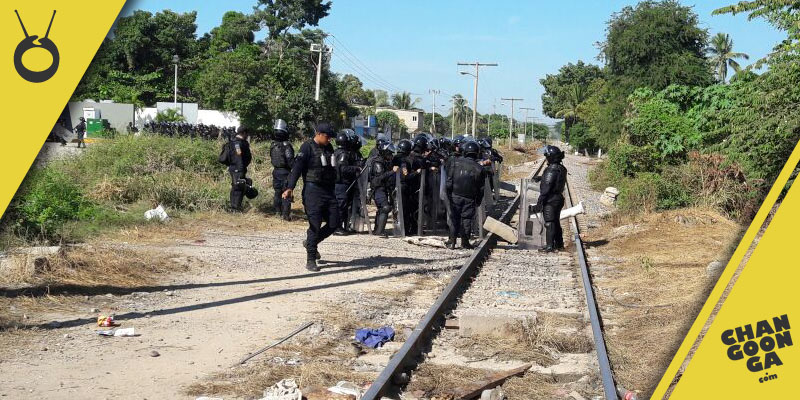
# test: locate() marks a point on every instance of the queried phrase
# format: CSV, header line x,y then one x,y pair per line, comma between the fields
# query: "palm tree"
x,y
723,56
459,110
571,112
403,101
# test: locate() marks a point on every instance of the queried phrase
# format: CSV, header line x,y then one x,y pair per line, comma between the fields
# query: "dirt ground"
x,y
238,293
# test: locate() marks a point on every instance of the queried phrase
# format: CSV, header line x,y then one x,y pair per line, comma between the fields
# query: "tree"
x,y
723,56
278,16
782,14
388,118
236,29
656,44
381,98
558,87
442,124
352,91
403,101
572,109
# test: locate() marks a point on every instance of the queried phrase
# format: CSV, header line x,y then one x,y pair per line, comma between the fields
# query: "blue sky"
x,y
415,45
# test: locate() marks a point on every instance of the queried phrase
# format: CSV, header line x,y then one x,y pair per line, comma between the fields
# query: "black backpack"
x,y
225,155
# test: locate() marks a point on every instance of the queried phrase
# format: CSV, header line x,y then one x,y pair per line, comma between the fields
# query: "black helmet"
x,y
242,130
485,143
434,144
387,149
420,142
404,146
251,192
82,119
471,150
281,130
342,139
553,154
446,144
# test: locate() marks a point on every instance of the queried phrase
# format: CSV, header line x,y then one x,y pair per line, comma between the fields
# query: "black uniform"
x,y
411,185
381,180
281,156
80,132
315,164
240,157
348,168
551,201
465,181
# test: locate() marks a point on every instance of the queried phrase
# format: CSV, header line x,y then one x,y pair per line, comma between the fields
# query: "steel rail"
x,y
410,353
606,375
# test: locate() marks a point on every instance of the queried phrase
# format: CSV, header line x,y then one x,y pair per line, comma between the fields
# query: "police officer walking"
x,y
348,169
281,155
551,198
239,157
465,181
80,131
315,162
382,180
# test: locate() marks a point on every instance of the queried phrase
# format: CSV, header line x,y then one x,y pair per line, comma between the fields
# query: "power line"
x,y
364,65
358,71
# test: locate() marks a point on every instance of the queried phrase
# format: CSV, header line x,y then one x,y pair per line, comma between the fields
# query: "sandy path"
x,y
249,291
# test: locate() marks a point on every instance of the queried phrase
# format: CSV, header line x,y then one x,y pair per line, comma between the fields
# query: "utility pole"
x,y
526,119
475,99
453,125
319,48
511,121
175,60
434,92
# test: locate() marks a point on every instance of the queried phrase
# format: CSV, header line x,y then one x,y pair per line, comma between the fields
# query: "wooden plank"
x,y
491,381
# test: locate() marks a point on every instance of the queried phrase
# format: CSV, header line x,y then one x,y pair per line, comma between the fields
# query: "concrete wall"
x,y
221,119
188,110
117,114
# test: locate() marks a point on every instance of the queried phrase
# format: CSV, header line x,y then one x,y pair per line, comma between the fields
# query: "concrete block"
x,y
485,323
570,367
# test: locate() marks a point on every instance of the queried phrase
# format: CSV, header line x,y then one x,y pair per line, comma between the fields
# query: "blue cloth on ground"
x,y
375,338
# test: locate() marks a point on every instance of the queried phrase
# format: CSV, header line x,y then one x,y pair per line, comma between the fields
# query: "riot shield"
x,y
362,222
399,227
433,202
497,167
445,199
421,199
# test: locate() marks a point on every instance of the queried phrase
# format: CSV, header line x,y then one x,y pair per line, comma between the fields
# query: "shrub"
x,y
47,199
627,160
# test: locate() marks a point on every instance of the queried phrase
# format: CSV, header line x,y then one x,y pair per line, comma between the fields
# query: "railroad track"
x,y
575,302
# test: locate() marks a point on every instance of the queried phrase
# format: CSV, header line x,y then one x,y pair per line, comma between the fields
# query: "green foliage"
x,y
46,200
723,56
442,124
404,101
169,115
559,88
657,43
659,123
626,160
388,118
582,137
281,15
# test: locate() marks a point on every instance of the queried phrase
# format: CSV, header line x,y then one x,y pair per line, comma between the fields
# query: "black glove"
x,y
536,208
537,179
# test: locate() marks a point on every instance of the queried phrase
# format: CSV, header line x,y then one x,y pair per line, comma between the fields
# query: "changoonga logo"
x,y
760,344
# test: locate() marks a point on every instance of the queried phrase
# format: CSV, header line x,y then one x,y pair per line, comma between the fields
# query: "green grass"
x,y
115,181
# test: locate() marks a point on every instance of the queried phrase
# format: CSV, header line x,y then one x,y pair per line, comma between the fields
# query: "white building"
x,y
414,119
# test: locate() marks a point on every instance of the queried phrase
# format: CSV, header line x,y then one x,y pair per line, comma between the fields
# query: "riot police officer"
x,y
281,156
551,198
80,132
380,141
239,157
410,163
315,163
348,169
382,181
465,181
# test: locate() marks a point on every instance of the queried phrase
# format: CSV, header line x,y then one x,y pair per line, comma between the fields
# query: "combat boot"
x,y
311,264
466,244
450,243
317,256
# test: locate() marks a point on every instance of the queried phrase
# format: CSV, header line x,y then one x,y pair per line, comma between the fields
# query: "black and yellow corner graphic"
x,y
748,350
45,48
